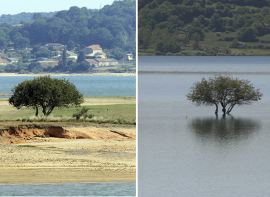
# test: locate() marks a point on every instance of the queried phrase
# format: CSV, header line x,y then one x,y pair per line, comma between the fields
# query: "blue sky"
x,y
18,6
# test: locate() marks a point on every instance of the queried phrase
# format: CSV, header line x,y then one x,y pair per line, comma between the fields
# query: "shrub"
x,y
82,112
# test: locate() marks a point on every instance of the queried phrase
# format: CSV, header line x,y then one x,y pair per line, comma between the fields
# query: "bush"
x,y
82,112
158,53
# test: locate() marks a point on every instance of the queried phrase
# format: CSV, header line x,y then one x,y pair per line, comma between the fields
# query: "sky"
x,y
18,6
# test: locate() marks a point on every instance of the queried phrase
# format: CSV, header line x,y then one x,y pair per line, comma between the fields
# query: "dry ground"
x,y
104,156
94,153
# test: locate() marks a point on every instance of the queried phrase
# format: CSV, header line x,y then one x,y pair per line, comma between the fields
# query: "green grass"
x,y
51,147
30,146
212,40
114,113
146,52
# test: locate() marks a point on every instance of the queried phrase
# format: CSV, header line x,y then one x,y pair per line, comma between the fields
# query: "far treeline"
x,y
204,27
113,28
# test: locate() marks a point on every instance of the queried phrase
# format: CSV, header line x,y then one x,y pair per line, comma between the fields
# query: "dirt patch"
x,y
24,133
103,153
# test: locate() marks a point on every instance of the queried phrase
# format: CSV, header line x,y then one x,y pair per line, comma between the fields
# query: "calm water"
x,y
90,86
186,150
69,189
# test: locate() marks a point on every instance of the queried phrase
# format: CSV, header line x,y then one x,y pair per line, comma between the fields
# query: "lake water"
x,y
69,189
184,150
90,86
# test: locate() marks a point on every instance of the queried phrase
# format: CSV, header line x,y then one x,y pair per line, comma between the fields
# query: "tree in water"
x,y
46,93
223,90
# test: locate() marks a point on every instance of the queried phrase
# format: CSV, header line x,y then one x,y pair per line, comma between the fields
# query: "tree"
x,y
71,45
47,93
247,34
224,90
81,57
64,58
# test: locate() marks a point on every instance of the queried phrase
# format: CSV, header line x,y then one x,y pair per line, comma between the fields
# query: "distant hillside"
x,y
22,17
26,17
204,27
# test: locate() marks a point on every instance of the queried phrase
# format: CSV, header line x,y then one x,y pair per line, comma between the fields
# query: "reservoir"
x,y
185,150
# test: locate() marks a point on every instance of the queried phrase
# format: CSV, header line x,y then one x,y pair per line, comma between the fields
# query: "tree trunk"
x,y
44,110
216,112
36,111
223,108
47,113
230,108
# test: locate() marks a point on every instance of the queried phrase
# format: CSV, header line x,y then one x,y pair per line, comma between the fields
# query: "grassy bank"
x,y
114,110
216,44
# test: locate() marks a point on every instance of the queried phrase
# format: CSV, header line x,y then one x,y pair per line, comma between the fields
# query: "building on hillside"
x,y
91,62
94,50
54,45
11,60
3,62
106,62
100,55
128,57
71,55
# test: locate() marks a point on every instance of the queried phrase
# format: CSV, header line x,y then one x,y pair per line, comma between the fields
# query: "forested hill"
x,y
112,27
204,27
22,17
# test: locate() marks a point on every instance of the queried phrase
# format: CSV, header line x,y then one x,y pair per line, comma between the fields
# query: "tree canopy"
x,y
47,93
176,20
224,90
112,26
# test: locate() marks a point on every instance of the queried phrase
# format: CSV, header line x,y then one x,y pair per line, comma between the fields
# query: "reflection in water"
x,y
225,128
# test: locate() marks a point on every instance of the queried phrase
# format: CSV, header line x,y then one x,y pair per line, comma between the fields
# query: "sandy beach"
x,y
84,154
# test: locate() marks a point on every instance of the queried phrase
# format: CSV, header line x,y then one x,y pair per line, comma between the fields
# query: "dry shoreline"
x,y
93,152
102,157
63,74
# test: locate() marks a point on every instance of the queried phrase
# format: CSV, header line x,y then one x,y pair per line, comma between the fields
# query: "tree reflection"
x,y
225,128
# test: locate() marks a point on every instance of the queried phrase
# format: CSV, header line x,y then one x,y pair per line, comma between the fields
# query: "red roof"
x,y
3,61
95,47
91,60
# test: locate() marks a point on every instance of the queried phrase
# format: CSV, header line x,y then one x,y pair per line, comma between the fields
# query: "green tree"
x,y
37,16
225,90
145,35
81,57
71,45
47,93
216,22
247,34
21,42
64,58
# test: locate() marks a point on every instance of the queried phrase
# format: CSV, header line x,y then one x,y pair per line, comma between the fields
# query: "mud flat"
x,y
53,154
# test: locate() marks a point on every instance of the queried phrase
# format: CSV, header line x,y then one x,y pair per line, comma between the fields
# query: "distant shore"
x,y
64,74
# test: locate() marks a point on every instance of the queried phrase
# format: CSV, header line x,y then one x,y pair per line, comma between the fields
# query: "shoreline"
x,y
59,175
63,74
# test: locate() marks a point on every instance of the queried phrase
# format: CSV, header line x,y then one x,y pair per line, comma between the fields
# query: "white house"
x,y
128,57
12,60
54,45
71,55
91,62
106,62
94,51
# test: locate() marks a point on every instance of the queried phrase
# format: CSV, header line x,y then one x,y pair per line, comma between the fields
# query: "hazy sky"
x,y
18,6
